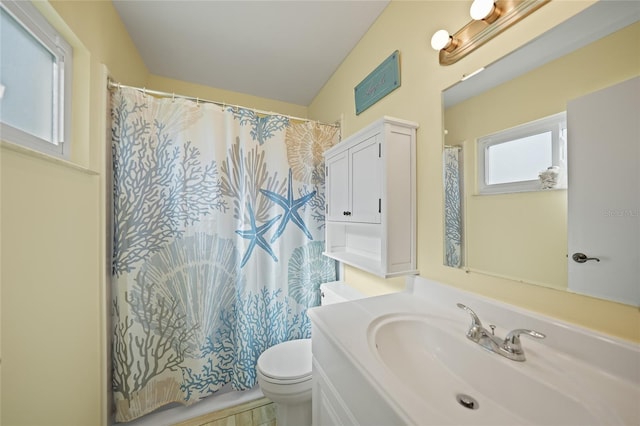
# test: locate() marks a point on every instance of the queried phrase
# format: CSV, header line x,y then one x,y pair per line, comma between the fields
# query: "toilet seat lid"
x,y
287,361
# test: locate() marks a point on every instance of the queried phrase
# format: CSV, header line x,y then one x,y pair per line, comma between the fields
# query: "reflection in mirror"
x,y
523,235
452,167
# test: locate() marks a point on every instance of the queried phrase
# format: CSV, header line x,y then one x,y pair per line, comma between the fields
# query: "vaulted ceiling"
x,y
281,50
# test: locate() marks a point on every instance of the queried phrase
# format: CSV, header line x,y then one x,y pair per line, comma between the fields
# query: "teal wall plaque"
x,y
382,81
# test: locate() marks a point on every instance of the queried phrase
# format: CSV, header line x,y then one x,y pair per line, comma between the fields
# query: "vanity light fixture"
x,y
484,10
490,18
442,40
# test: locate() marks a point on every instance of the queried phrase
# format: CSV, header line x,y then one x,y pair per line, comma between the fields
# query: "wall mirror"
x,y
523,234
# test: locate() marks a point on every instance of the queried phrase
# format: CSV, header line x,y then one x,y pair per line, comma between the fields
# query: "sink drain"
x,y
467,401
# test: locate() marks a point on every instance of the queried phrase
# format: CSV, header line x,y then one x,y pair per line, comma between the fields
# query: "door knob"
x,y
582,258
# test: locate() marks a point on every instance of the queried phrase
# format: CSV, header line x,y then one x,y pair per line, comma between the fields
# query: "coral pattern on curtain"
x,y
218,217
452,207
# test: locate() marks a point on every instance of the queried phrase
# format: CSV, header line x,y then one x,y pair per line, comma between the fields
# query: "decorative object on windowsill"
x,y
490,18
549,177
382,81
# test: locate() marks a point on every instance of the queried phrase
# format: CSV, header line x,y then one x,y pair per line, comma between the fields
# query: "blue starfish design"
x,y
255,235
290,206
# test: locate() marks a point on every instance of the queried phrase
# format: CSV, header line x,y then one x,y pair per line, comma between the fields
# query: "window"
x,y
511,160
35,81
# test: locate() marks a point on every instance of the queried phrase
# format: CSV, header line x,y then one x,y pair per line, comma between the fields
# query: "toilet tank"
x,y
336,292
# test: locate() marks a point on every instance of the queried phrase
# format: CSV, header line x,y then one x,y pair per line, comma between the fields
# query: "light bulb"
x,y
480,9
440,40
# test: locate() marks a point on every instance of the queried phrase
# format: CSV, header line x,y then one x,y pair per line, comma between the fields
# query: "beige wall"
x,y
523,236
408,26
52,338
169,85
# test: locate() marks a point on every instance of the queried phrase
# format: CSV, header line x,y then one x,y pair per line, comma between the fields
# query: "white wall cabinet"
x,y
371,199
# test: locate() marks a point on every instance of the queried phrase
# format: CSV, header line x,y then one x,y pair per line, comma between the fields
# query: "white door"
x,y
337,187
366,181
604,193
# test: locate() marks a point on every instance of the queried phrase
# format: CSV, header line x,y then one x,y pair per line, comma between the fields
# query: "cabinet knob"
x,y
346,213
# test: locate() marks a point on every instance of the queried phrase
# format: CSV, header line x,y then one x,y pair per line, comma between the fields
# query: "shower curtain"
x,y
218,216
452,206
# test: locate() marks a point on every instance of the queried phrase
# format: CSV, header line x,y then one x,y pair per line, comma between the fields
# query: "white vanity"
x,y
371,198
404,358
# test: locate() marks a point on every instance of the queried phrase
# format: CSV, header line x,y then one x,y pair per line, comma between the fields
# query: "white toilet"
x,y
284,370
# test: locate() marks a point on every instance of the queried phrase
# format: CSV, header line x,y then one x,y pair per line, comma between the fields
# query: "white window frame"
x,y
37,25
554,124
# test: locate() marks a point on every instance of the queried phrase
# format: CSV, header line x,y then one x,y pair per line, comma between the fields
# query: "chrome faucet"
x,y
509,347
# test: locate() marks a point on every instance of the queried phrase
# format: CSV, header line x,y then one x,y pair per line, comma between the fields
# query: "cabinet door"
x,y
365,176
326,413
337,186
328,406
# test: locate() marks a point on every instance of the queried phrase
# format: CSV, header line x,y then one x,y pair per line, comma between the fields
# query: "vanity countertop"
x,y
595,370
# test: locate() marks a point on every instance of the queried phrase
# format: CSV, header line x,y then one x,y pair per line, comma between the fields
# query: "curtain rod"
x,y
113,85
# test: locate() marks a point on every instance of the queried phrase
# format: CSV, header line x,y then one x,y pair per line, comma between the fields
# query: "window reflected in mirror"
x,y
528,157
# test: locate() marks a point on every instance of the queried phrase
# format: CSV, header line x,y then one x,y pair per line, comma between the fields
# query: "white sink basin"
x,y
432,357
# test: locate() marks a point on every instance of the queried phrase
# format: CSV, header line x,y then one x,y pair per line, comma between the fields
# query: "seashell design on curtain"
x,y
218,217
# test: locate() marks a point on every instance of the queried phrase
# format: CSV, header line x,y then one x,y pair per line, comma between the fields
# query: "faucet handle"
x,y
512,343
476,329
